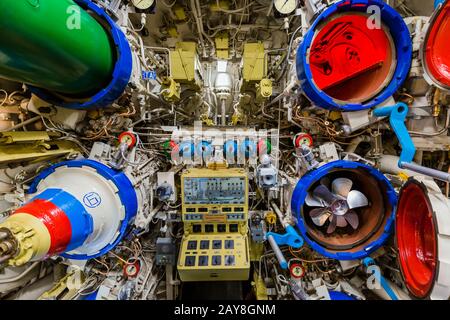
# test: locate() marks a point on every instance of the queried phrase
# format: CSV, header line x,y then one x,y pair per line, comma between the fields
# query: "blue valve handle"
x,y
437,3
290,238
397,116
370,262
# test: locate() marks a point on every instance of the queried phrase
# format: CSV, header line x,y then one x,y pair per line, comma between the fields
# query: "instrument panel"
x,y
215,190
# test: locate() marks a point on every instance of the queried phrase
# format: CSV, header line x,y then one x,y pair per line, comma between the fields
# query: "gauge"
x,y
303,139
143,4
129,138
297,271
285,6
131,269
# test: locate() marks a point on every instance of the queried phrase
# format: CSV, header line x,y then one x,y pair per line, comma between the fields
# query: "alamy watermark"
x,y
73,21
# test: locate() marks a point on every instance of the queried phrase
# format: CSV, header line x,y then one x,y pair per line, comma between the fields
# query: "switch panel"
x,y
218,257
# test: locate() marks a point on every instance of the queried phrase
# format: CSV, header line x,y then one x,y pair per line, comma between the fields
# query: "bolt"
x,y
3,235
6,247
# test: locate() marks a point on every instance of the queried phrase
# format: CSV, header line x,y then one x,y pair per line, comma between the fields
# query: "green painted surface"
x,y
54,45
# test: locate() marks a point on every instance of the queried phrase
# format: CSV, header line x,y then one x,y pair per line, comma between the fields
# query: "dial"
x,y
285,6
303,139
143,4
297,271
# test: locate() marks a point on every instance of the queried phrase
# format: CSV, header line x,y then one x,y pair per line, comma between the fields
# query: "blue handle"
x,y
437,3
397,116
290,238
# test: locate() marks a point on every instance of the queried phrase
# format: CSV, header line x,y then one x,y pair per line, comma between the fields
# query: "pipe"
x,y
20,276
356,142
54,45
277,251
35,290
22,124
199,27
280,214
433,173
223,108
389,164
286,93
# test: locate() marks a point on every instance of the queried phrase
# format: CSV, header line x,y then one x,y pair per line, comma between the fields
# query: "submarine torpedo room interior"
x,y
224,149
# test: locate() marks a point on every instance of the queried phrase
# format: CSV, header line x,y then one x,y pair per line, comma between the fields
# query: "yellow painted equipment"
x,y
222,45
170,90
179,12
172,31
185,64
264,90
33,146
215,245
31,235
66,288
227,261
223,4
255,62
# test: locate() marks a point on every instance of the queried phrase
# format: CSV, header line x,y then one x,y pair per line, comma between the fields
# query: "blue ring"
x,y
121,74
248,148
126,192
186,149
401,38
301,191
204,150
230,144
337,295
80,220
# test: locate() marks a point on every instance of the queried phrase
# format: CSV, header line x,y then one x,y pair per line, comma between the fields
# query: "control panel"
x,y
215,216
215,201
214,258
220,191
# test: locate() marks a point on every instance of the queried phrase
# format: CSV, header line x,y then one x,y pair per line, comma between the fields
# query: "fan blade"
x,y
353,219
356,199
332,226
341,222
342,186
313,202
322,193
320,216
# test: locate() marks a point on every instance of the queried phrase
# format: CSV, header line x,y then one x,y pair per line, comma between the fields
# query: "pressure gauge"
x,y
143,4
129,138
297,271
131,269
285,7
303,139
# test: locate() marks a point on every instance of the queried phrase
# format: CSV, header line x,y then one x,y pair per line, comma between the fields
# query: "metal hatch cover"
x,y
423,239
436,47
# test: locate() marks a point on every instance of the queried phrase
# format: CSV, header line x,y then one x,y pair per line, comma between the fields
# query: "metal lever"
x,y
290,238
397,116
